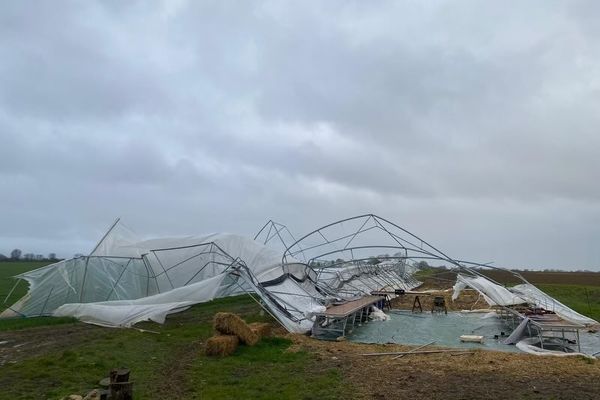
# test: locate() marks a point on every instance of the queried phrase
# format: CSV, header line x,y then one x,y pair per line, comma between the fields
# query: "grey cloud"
x,y
473,124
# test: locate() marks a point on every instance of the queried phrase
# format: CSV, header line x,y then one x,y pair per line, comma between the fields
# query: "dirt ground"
x,y
481,375
29,343
467,300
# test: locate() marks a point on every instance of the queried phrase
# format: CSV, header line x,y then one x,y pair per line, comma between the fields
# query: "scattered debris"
x,y
462,353
472,338
413,350
93,395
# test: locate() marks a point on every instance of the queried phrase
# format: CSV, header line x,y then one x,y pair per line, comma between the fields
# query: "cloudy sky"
x,y
473,124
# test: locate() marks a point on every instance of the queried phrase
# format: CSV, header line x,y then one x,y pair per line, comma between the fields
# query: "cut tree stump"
x,y
119,386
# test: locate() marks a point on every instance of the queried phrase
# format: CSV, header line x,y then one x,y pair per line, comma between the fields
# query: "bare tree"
x,y
52,256
15,254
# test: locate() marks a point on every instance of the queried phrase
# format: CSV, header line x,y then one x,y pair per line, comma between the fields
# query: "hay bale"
x,y
231,324
221,345
262,329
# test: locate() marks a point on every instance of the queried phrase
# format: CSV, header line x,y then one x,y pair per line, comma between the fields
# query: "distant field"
x,y
506,278
8,270
542,277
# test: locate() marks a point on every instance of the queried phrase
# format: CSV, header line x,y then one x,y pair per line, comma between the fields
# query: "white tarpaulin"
x,y
494,294
126,280
125,313
541,299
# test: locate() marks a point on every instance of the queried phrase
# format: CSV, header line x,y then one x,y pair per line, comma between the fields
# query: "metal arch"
x,y
477,273
427,256
431,250
277,228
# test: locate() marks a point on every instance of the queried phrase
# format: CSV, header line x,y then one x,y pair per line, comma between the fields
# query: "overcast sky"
x,y
473,124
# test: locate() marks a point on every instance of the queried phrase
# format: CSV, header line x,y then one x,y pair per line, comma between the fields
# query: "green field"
x,y
265,371
170,363
8,269
583,299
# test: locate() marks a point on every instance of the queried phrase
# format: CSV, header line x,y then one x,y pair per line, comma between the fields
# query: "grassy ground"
x,y
583,299
8,269
14,324
71,358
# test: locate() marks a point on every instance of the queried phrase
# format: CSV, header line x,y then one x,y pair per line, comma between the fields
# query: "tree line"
x,y
17,255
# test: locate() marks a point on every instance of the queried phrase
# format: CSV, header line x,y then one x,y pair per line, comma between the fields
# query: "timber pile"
x,y
230,331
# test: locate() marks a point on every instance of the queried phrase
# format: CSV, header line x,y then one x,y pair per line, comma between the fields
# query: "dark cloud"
x,y
472,124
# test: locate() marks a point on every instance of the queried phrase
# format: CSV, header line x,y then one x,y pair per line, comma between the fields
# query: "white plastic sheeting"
x,y
83,280
125,313
528,345
282,306
518,333
541,299
494,294
126,280
353,280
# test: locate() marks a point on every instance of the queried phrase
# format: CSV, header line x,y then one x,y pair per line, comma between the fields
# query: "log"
x,y
119,386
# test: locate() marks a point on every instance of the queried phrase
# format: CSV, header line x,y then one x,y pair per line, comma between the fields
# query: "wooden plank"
x,y
413,350
350,307
412,292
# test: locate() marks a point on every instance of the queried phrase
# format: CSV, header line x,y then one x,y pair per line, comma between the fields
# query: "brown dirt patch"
x,y
172,383
549,277
482,375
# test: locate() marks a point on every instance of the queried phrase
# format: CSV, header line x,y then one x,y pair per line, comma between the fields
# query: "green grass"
x,y
265,371
583,299
13,324
8,269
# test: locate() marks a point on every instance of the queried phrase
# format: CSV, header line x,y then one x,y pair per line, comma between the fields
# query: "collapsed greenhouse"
x,y
326,282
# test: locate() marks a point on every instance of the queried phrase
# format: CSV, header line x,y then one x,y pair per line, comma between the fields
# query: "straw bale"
x,y
221,345
231,324
262,329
